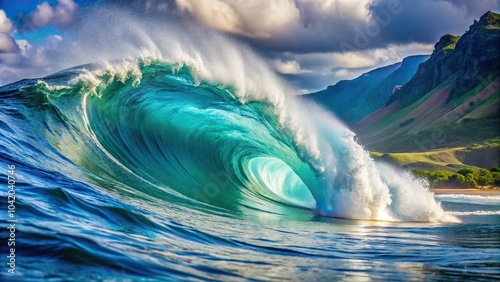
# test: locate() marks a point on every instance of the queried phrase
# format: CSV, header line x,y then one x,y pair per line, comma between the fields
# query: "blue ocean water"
x,y
145,171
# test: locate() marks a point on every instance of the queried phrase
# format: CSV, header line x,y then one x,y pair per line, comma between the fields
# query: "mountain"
x,y
452,100
353,100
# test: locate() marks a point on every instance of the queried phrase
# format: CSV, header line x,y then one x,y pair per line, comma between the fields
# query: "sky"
x,y
310,43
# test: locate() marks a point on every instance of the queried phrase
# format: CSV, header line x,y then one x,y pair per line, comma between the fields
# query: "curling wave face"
x,y
162,130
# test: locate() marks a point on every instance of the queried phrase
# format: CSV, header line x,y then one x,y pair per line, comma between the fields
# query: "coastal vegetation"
x,y
464,178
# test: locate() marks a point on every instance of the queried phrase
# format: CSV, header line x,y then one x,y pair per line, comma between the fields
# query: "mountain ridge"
x,y
352,100
469,56
452,94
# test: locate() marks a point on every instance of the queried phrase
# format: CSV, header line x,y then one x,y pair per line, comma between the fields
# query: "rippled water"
x,y
79,232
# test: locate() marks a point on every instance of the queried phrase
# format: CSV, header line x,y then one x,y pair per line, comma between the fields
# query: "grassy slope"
x,y
450,159
375,131
431,123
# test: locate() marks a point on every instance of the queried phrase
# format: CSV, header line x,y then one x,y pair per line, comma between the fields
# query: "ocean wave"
x,y
169,129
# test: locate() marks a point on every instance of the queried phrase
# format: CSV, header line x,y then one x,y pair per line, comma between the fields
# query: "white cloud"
x,y
381,56
19,59
265,18
280,22
7,44
5,23
65,11
53,42
26,60
342,74
286,67
259,19
42,15
61,14
24,47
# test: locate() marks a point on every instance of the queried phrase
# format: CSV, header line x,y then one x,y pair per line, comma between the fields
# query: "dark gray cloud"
x,y
304,26
474,7
426,21
387,22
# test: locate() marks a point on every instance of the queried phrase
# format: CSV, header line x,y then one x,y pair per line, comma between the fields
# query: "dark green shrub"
x,y
496,177
469,181
495,169
484,177
467,170
441,178
466,177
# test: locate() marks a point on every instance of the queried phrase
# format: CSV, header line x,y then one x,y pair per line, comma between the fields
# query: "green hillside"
x,y
453,100
353,100
450,167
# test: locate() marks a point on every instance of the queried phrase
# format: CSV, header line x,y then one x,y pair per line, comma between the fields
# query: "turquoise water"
x,y
146,171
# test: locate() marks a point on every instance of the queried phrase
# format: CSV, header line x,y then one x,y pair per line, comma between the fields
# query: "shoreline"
x,y
467,191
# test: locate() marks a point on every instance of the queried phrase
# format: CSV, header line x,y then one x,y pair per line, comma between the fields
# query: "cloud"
x,y
304,26
255,19
475,7
286,67
343,74
5,23
25,60
42,15
7,44
60,15
24,47
318,70
276,23
64,13
426,21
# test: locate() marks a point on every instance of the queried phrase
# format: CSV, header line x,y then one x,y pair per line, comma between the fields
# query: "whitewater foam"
x,y
479,212
470,199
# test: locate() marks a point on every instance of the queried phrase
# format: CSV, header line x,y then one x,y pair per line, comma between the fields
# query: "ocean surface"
x,y
151,171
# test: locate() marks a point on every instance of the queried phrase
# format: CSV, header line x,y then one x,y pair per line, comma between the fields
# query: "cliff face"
x,y
463,62
352,100
452,100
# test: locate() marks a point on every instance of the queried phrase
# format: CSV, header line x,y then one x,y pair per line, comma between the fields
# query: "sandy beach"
x,y
465,191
